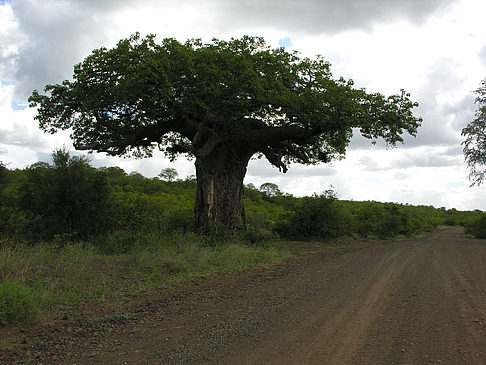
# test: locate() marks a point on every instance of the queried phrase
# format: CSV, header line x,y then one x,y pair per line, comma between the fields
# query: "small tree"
x,y
168,174
223,103
69,197
475,143
270,189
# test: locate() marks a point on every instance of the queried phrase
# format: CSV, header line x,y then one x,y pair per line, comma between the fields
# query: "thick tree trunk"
x,y
219,197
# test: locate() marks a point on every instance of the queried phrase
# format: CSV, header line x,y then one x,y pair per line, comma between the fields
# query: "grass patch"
x,y
48,280
18,304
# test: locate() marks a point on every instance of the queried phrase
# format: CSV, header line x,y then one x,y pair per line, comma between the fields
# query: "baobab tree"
x,y
221,103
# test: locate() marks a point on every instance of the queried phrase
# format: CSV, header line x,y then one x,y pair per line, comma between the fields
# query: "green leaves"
x,y
192,97
388,118
475,142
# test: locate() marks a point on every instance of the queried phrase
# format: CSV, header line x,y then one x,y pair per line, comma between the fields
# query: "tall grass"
x,y
52,279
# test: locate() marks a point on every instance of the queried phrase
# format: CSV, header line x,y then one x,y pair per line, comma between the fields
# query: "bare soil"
x,y
421,301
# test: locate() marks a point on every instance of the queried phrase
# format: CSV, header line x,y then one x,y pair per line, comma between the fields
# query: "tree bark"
x,y
219,196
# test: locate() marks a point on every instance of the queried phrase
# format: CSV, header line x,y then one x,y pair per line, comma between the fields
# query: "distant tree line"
x,y
70,200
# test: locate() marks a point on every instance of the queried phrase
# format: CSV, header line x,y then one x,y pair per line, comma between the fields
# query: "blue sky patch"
x,y
285,42
17,106
4,2
7,83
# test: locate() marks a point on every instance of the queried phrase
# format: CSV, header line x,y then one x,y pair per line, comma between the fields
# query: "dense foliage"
x,y
477,227
191,97
69,200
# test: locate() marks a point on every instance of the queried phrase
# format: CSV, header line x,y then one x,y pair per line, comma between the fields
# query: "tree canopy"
x,y
223,103
270,189
168,174
188,97
475,143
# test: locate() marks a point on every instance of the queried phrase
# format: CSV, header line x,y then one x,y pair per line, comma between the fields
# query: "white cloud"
x,y
19,135
482,55
317,16
59,34
11,40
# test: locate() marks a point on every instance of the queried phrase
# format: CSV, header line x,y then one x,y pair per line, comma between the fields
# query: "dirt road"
x,y
412,302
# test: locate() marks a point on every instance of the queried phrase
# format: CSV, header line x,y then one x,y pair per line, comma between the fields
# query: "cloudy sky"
x,y
435,49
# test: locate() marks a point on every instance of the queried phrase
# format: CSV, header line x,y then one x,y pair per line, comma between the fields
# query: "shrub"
x,y
368,219
394,222
477,228
181,220
69,197
316,217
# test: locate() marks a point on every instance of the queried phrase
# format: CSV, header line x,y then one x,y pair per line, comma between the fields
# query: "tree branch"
x,y
274,136
208,147
204,141
275,158
142,136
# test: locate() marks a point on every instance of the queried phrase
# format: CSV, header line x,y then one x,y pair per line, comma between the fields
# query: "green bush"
x,y
368,217
391,225
477,228
316,217
180,220
18,304
396,221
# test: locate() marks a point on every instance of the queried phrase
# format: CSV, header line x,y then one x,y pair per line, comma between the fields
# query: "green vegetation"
x,y
221,103
477,227
17,303
45,280
73,237
475,142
